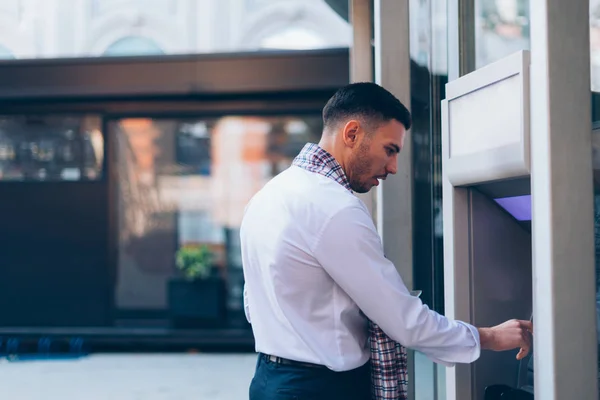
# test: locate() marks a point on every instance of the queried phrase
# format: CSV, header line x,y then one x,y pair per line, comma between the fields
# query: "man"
x,y
315,270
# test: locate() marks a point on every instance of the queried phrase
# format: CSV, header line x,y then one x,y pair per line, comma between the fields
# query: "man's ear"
x,y
351,133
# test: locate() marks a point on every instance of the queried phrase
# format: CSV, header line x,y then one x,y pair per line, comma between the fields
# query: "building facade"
x,y
88,28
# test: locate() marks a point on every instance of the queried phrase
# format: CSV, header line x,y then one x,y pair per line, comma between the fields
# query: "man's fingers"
x,y
528,325
524,346
522,353
526,338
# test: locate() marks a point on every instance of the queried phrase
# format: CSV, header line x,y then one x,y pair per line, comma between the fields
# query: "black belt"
x,y
285,361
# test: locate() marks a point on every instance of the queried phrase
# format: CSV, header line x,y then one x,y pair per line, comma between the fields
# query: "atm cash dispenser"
x,y
487,218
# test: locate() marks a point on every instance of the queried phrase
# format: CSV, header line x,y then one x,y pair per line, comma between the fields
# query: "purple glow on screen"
x,y
518,206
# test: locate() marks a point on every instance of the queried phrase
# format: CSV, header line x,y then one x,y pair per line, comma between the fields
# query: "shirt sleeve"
x,y
350,250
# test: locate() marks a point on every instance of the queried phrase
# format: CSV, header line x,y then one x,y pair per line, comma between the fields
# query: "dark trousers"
x,y
275,381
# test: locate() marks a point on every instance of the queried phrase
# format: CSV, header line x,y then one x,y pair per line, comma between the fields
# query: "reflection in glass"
x,y
185,183
595,44
51,148
502,28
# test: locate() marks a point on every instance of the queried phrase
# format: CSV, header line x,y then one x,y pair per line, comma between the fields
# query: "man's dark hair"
x,y
366,101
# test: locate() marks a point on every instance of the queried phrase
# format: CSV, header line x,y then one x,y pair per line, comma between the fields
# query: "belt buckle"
x,y
274,359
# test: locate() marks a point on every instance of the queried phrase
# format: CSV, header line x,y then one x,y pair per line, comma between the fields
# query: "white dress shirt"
x,y
313,264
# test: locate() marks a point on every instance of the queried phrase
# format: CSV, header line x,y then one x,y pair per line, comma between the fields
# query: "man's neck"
x,y
328,144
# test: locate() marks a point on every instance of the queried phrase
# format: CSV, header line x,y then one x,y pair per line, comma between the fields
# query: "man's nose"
x,y
392,166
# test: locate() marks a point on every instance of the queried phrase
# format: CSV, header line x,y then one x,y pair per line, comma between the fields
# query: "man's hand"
x,y
510,335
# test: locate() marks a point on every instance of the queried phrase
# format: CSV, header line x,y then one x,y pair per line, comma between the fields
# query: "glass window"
x,y
595,44
156,27
596,174
502,28
183,186
51,148
428,50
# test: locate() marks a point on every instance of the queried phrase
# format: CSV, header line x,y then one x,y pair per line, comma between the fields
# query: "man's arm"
x,y
350,250
246,305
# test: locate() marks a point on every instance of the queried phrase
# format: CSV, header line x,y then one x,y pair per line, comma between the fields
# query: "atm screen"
x,y
517,206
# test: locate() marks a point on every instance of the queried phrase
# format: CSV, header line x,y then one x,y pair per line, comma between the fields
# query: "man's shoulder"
x,y
304,192
296,179
322,192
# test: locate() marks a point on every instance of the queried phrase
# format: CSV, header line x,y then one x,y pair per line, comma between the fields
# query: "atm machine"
x,y
487,219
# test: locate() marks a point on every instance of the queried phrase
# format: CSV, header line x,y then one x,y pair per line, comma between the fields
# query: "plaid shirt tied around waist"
x,y
389,377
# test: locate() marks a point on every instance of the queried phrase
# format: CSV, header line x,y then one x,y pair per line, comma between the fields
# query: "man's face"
x,y
373,155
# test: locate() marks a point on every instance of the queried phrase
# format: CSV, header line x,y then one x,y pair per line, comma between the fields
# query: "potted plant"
x,y
197,296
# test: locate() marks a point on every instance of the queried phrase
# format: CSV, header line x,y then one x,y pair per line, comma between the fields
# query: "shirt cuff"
x,y
469,354
476,350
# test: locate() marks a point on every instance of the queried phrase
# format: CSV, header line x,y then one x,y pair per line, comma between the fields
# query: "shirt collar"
x,y
315,159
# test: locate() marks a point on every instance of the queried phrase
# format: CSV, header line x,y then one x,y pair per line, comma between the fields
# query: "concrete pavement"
x,y
130,377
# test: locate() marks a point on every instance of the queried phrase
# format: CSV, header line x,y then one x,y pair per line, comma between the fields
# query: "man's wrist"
x,y
486,337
